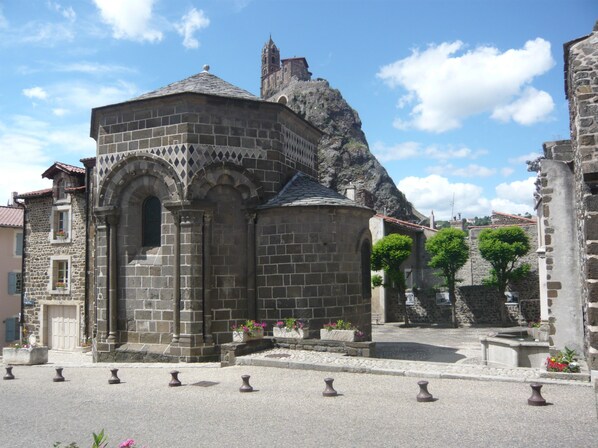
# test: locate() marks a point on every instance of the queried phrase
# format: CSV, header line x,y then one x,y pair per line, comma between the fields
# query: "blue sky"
x,y
454,96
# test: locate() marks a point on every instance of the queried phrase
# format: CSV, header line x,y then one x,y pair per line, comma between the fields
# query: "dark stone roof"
x,y
204,83
303,191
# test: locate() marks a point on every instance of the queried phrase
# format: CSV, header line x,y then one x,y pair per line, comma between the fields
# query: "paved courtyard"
x,y
287,409
375,409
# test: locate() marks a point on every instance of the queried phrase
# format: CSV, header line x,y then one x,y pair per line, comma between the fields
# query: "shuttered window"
x,y
14,283
11,328
19,244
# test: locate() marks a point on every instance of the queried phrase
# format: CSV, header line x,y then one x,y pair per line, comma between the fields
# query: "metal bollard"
x,y
9,375
174,382
114,379
329,390
424,396
245,387
536,399
58,378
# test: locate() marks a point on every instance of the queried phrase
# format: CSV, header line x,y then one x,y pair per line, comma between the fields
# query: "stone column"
x,y
112,221
207,277
250,291
176,283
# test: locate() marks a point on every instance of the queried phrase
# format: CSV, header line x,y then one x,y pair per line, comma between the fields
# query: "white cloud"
x,y
519,191
436,193
59,112
444,87
85,96
131,19
533,106
191,22
3,21
524,158
35,92
506,172
45,34
67,13
400,151
29,146
471,170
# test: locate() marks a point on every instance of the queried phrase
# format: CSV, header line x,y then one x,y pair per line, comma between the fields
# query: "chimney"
x,y
432,220
350,192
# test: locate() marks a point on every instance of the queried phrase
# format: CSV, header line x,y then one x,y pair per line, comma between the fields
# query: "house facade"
x,y
55,278
11,251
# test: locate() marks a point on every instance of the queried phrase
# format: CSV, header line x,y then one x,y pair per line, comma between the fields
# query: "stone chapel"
x,y
204,211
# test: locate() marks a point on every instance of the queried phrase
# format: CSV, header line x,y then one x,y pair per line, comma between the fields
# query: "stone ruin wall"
x,y
581,64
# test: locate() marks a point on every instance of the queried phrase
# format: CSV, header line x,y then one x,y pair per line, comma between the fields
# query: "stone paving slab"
x,y
336,362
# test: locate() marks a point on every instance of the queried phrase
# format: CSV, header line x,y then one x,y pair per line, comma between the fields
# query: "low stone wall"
x,y
230,351
476,305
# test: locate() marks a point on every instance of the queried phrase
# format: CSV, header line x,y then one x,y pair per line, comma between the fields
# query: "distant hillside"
x,y
344,154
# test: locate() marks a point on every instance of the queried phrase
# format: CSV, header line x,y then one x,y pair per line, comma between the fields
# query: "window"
x,y
60,192
15,282
151,222
59,280
61,224
19,244
11,329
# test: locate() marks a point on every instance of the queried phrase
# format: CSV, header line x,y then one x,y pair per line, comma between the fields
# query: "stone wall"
x,y
477,269
581,86
476,305
308,265
190,135
559,248
39,248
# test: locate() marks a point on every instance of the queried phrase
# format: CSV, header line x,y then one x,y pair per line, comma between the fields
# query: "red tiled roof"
x,y
65,167
406,224
11,217
35,194
522,218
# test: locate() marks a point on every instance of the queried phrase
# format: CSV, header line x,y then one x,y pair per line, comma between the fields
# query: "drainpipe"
x,y
86,287
22,314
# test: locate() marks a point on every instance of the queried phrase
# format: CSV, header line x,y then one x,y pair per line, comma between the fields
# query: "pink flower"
x,y
129,443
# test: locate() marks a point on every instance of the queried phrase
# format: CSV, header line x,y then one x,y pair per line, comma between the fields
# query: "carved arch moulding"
x,y
130,168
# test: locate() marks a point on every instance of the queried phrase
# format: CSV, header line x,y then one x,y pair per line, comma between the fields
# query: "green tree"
x,y
503,248
449,252
388,254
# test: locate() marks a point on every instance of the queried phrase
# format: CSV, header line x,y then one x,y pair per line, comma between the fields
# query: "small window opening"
x,y
151,222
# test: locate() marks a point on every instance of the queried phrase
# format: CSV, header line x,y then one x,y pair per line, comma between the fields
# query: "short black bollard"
x,y
9,375
329,390
174,382
58,378
114,379
424,396
245,387
536,399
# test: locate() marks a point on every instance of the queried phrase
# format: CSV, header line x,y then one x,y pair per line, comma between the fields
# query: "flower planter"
x,y
538,334
241,336
25,356
290,334
338,335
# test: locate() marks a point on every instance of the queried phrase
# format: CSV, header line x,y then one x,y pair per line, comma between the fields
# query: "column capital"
x,y
107,215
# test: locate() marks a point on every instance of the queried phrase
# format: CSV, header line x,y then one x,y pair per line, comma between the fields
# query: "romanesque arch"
x,y
228,174
126,170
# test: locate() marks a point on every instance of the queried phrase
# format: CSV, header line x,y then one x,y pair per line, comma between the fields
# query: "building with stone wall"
x,y
11,251
568,211
208,213
55,279
277,73
418,276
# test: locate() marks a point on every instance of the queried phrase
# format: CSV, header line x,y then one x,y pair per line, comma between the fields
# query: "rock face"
x,y
343,152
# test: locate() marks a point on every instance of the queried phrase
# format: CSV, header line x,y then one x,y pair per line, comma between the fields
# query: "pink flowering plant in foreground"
x,y
250,327
344,325
290,323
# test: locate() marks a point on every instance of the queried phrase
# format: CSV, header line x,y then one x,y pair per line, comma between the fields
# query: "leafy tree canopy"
x,y
449,251
503,247
389,253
